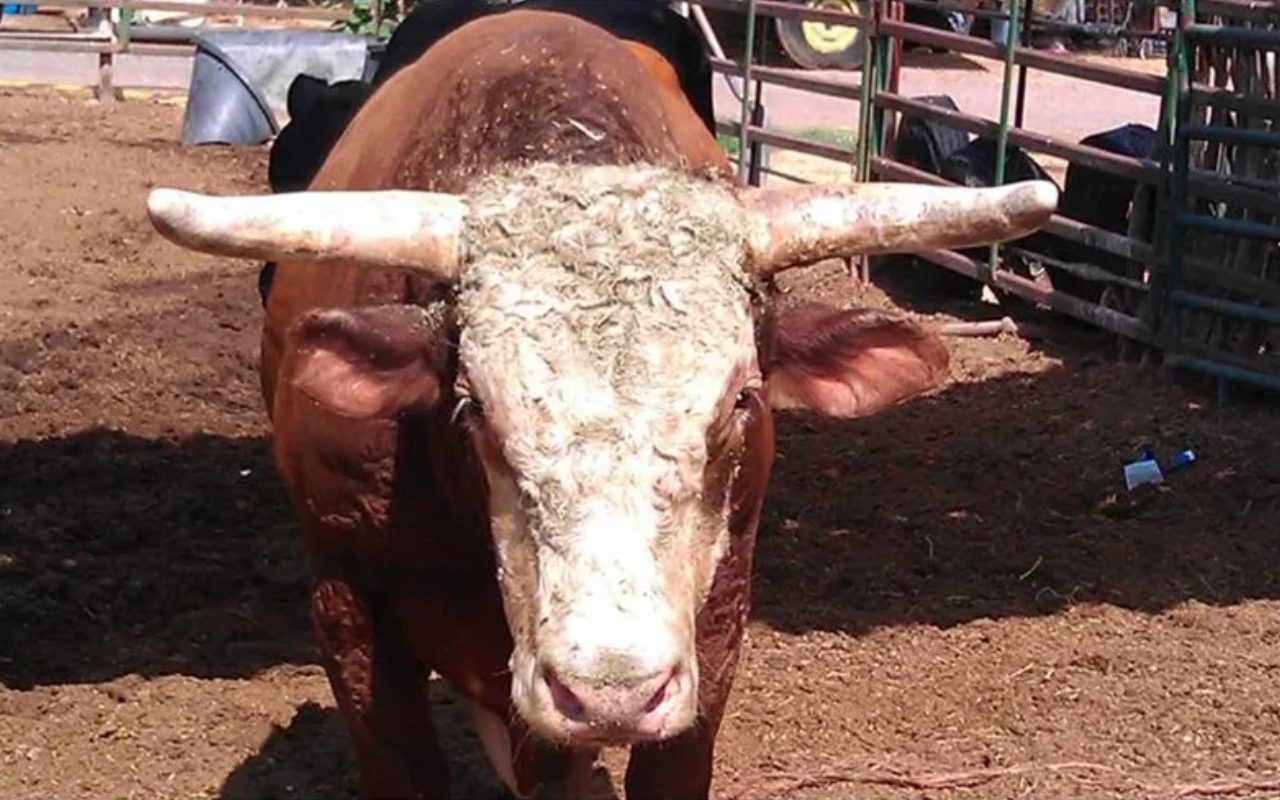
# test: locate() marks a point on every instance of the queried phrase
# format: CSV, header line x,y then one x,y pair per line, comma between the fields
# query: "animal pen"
x,y
1186,267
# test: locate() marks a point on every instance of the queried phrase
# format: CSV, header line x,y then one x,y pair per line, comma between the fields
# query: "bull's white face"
x,y
607,365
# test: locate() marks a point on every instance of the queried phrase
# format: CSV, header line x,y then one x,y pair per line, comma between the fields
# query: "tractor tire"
x,y
818,45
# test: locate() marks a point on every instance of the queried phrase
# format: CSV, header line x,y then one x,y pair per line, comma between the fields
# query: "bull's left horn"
x,y
791,227
393,228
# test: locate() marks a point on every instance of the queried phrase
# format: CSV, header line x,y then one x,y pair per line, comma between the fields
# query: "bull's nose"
x,y
618,706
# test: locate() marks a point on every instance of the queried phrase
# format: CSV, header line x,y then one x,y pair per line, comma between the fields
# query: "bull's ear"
x,y
376,361
847,363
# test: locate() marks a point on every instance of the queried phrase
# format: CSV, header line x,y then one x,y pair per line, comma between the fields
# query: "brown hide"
x,y
499,90
389,491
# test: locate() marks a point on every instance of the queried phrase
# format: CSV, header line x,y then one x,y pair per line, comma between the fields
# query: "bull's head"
x,y
616,374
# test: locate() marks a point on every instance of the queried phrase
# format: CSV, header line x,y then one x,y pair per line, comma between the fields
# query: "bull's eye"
x,y
466,407
746,395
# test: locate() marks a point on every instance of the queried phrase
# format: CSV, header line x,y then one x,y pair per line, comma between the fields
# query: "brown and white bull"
x,y
520,357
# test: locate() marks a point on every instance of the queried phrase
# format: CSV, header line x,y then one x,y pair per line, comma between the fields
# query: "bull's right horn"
x,y
801,225
392,228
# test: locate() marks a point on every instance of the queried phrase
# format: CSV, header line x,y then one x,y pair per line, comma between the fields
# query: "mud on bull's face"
x,y
610,375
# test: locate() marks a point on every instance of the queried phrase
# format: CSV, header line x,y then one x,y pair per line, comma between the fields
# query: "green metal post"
x,y
1020,106
863,172
880,73
1182,169
748,53
1166,208
1006,91
126,24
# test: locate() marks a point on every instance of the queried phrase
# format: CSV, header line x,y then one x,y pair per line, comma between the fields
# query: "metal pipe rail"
x,y
205,9
1223,36
1091,236
783,9
789,78
1225,372
1034,59
1092,313
1249,10
1099,316
787,141
1210,185
1080,269
1247,137
1226,225
1270,316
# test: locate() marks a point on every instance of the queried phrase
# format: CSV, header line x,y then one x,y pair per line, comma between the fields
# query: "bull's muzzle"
x,y
636,705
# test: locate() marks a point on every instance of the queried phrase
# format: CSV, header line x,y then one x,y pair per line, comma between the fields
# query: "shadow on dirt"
x,y
1005,498
311,757
123,554
993,499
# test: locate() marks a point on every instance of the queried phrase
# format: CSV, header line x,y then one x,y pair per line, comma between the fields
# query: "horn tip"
x,y
1040,197
166,205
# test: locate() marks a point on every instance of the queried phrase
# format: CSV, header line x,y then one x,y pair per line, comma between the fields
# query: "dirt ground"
x,y
956,598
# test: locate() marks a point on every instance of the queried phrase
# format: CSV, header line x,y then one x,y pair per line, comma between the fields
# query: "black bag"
x,y
975,165
924,143
1102,199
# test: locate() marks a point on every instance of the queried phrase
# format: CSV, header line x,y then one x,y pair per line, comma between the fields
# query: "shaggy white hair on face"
x,y
601,321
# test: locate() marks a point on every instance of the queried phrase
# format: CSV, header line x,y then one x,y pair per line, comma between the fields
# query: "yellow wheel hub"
x,y
826,38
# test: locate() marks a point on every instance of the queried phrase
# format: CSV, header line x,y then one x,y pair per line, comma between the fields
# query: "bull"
x,y
521,356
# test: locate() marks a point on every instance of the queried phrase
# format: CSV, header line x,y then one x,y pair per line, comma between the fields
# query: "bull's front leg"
x,y
381,690
680,769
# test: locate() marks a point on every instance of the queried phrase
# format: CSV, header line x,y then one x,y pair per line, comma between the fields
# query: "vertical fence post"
x,y
891,76
1153,312
1182,167
754,174
1002,133
106,89
1021,107
862,171
126,27
870,122
748,54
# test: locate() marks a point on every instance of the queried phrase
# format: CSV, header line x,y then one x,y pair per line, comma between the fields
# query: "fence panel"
x,y
1224,319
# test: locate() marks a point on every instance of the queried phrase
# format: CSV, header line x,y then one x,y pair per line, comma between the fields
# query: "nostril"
x,y
566,702
661,694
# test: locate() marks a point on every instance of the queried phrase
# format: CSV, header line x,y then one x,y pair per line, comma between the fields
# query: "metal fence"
x,y
1193,276
1223,317
124,38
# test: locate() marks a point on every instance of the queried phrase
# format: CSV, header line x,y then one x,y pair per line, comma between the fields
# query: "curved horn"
x,y
800,226
393,228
